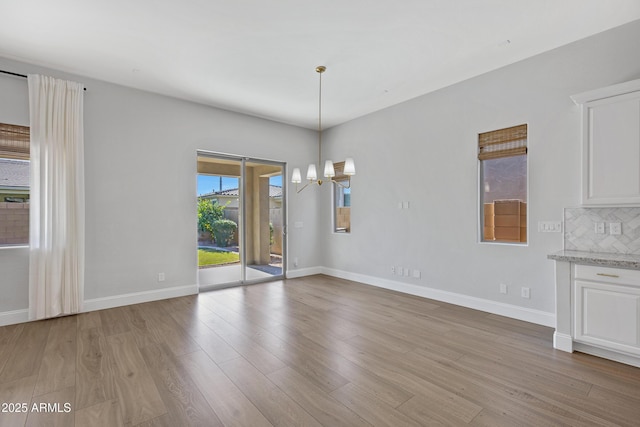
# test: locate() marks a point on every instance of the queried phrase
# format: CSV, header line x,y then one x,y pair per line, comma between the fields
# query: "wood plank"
x,y
513,373
16,392
441,405
9,335
142,333
105,414
217,348
377,376
52,409
490,418
372,409
25,356
88,320
164,329
114,321
617,406
488,391
95,379
232,406
320,405
135,389
274,404
262,359
58,367
309,359
184,402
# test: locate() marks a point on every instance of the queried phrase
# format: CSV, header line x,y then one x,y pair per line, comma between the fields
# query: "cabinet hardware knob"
x,y
607,275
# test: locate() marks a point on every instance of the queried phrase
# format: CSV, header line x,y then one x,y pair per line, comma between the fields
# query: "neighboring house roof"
x,y
14,173
274,191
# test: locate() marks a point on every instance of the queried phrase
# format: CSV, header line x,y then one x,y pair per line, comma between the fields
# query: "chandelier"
x,y
349,168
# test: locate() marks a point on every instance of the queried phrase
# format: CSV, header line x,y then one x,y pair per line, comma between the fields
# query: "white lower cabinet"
x,y
606,308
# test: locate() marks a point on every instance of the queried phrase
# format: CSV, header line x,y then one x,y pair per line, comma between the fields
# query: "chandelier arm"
x,y
341,184
317,182
305,186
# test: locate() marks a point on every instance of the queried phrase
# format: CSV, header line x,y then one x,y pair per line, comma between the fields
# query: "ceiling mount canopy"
x,y
329,171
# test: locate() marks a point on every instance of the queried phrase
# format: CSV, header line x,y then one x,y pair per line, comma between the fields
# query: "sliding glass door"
x,y
264,220
241,217
219,220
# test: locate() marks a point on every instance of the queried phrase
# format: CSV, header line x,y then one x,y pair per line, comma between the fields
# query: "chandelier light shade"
x,y
296,178
349,167
312,174
329,170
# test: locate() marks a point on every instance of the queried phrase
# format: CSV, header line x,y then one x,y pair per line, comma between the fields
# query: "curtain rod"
x,y
18,75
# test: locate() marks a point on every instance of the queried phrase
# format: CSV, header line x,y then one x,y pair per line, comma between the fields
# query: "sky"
x,y
209,183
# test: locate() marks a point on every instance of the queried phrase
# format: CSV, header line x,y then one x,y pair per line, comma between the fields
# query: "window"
x,y
341,201
503,185
14,185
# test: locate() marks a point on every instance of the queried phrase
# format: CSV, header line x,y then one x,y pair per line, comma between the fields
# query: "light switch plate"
x,y
599,229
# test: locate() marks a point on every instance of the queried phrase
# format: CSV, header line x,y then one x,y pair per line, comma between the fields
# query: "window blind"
x,y
503,143
14,141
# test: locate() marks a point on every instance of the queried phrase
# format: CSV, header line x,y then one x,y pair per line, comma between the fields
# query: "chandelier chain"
x,y
320,71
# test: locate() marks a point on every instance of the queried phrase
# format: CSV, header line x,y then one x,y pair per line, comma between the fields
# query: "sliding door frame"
x,y
242,217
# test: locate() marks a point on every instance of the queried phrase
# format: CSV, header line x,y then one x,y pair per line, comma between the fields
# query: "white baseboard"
x,y
563,342
21,316
607,354
508,310
292,274
138,297
13,317
494,307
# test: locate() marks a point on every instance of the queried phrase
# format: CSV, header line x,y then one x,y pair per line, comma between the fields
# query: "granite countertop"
x,y
598,258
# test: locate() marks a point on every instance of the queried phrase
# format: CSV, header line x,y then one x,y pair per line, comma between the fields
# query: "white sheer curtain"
x,y
56,264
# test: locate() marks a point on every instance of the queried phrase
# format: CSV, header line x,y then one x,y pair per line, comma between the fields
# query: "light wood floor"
x,y
305,352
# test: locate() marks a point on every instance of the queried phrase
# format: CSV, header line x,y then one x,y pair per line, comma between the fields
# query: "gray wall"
x,y
140,161
428,148
140,151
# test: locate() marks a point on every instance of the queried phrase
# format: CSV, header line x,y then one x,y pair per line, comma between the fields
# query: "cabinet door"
x,y
607,315
611,151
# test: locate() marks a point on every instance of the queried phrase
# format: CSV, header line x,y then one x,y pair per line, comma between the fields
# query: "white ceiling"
x,y
259,56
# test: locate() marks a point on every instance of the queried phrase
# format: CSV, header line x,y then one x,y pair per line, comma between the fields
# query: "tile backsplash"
x,y
580,235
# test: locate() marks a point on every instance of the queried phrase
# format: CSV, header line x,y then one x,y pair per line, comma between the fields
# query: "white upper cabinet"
x,y
611,145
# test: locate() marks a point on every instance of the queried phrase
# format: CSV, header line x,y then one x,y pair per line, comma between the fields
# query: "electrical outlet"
x,y
525,293
295,262
416,274
393,269
406,272
161,277
615,228
549,227
503,288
